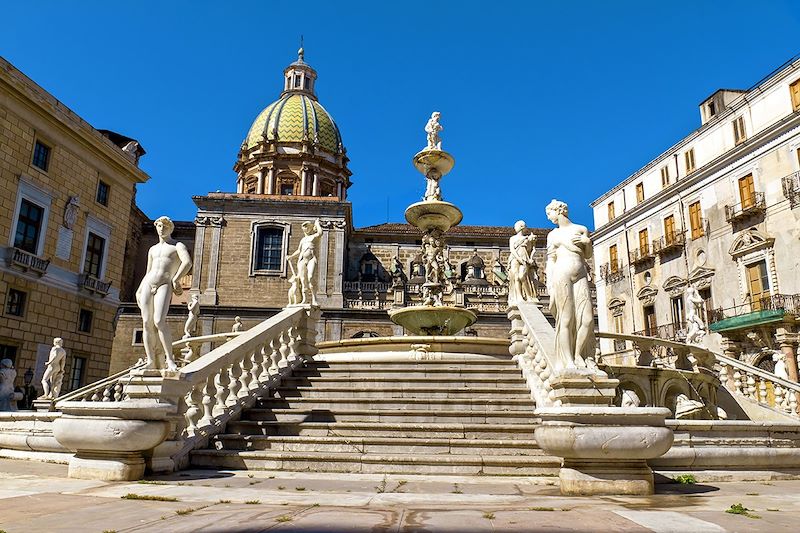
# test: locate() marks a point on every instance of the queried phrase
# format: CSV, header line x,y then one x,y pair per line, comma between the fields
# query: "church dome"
x,y
296,117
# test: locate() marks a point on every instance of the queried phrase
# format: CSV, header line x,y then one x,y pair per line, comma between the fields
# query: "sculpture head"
x,y
519,226
164,227
58,342
435,116
6,363
555,209
308,228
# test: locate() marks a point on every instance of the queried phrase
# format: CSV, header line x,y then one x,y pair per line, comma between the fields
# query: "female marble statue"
x,y
520,265
432,128
568,248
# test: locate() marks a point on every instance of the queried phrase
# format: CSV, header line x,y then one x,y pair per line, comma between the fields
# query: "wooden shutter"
x,y
644,245
795,90
747,191
669,229
758,283
612,258
695,220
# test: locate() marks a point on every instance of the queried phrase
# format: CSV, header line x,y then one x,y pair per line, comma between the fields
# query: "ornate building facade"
x,y
66,191
292,167
719,210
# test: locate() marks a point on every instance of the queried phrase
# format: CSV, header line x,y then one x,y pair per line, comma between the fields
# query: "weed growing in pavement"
x,y
151,482
541,509
251,476
381,487
252,502
281,487
751,493
284,518
299,489
738,508
773,509
686,479
188,510
456,489
224,501
133,496
489,516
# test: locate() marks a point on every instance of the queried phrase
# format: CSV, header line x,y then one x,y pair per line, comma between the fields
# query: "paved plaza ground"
x,y
38,497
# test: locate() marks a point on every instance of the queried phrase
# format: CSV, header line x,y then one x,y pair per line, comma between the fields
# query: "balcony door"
x,y
747,192
669,230
757,284
650,326
644,246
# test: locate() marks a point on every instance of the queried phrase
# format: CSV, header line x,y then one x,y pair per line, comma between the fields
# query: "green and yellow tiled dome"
x,y
295,118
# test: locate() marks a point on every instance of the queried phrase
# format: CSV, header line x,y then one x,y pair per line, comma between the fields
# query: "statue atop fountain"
x,y
434,217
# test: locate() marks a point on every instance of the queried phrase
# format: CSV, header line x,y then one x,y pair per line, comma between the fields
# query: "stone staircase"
x,y
469,416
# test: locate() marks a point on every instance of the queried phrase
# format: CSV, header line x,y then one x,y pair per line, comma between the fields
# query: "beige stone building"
x,y
292,168
66,191
719,210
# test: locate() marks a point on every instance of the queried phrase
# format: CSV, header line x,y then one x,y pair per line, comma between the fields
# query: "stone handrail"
x,y
186,350
654,351
759,385
532,338
105,390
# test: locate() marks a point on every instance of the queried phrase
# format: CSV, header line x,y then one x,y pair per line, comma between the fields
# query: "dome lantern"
x,y
299,77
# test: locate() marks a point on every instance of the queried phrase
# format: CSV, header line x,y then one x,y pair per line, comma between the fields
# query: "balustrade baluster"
x,y
193,411
723,375
107,392
222,384
275,355
294,342
737,382
96,397
208,401
118,388
244,379
235,372
256,369
751,387
284,350
792,402
779,398
762,392
263,378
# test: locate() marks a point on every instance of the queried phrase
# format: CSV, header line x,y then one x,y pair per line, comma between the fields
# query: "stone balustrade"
x,y
760,386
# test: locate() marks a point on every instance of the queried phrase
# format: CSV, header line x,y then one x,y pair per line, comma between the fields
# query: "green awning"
x,y
755,318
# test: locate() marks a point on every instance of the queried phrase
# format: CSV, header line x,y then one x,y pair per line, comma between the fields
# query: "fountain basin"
x,y
426,160
429,320
433,214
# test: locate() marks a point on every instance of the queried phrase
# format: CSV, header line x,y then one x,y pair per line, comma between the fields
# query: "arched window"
x,y
365,334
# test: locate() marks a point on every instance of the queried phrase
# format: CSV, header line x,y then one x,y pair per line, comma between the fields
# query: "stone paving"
x,y
38,497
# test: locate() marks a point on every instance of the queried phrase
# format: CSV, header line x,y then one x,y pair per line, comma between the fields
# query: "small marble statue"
x,y
131,149
307,254
630,398
237,325
521,267
54,372
167,262
432,128
780,365
685,407
8,396
398,276
194,314
695,325
71,212
568,248
432,190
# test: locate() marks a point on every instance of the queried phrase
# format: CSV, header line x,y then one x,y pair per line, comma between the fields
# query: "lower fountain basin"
x,y
429,320
433,214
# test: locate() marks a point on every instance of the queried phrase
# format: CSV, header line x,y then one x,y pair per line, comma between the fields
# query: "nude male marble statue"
x,y
307,255
54,372
432,128
167,262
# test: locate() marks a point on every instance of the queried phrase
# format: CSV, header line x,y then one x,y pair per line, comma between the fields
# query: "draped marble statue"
x,y
568,248
167,262
695,325
432,128
520,265
54,371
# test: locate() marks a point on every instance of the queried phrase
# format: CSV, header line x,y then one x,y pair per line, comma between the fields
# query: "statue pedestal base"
x,y
605,449
584,386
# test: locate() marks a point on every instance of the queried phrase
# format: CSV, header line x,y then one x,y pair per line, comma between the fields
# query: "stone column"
x,y
240,185
200,223
339,190
260,184
787,340
209,296
304,182
731,349
315,186
337,297
271,181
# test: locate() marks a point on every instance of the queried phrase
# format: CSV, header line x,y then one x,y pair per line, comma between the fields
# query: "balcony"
x,y
669,243
27,261
754,205
791,188
94,285
671,332
701,229
773,308
641,256
612,272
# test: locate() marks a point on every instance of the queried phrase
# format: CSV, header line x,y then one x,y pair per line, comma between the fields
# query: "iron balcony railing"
x,y
669,243
612,271
788,303
675,331
791,188
751,205
28,261
641,255
92,284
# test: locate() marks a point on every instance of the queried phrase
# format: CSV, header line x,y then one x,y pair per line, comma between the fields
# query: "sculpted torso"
x,y
164,263
569,255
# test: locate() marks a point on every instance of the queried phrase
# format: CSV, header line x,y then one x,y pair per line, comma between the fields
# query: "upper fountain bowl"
x,y
430,159
433,214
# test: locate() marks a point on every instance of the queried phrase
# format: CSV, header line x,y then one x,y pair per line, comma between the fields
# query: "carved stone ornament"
x,y
71,211
700,277
209,220
750,241
674,286
333,224
647,295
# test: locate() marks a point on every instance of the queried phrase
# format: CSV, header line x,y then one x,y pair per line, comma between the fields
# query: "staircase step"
x,y
514,465
344,391
431,404
392,415
381,445
424,381
383,429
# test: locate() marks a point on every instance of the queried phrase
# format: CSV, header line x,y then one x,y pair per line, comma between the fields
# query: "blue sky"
x,y
538,100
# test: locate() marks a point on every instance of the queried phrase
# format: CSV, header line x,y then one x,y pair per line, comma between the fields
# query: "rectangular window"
x,y
794,89
644,244
8,351
611,214
678,316
664,176
41,156
287,189
758,284
612,258
639,193
29,225
103,190
85,321
705,294
669,229
15,302
269,248
695,220
688,158
618,326
650,325
77,372
739,133
747,191
138,337
93,264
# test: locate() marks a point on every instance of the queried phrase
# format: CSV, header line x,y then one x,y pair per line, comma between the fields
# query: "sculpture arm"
x,y
184,268
317,229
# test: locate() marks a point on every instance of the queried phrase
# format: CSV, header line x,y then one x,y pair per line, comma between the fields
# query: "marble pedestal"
x,y
605,449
